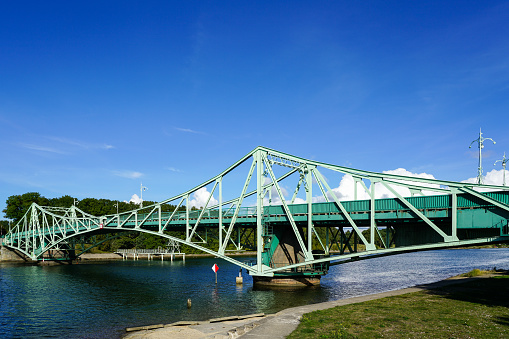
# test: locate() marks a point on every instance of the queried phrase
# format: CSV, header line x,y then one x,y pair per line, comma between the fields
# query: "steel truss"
x,y
44,228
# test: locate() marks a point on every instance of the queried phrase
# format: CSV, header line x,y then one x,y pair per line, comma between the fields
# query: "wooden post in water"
x,y
239,279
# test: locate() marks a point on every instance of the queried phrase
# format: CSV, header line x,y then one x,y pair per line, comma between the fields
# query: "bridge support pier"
x,y
288,281
282,248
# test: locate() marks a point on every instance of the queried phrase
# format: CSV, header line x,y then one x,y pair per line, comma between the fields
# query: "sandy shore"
x,y
278,325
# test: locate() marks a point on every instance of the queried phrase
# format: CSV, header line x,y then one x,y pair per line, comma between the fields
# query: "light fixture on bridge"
x,y
504,162
480,141
142,188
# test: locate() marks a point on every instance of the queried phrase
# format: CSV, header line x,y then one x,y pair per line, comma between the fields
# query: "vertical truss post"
x,y
372,214
327,246
454,216
159,217
309,199
259,210
355,181
34,220
187,216
220,208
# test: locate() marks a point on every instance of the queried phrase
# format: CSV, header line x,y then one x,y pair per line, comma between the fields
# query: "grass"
x,y
474,309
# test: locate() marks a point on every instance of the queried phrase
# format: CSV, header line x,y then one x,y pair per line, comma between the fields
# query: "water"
x,y
100,300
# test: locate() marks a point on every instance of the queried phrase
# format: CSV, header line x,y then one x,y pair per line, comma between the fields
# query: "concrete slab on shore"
x,y
219,328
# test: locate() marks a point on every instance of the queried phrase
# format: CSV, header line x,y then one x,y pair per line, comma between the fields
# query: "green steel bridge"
x,y
297,238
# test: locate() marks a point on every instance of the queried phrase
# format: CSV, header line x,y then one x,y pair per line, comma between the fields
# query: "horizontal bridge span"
x,y
289,237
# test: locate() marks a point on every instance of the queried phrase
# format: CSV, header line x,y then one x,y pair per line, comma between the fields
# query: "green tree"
x,y
17,205
65,201
4,227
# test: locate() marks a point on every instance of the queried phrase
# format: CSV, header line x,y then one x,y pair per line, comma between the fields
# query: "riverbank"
x,y
10,256
283,323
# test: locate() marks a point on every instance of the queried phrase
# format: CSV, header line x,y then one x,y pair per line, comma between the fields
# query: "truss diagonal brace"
x,y
202,211
447,238
307,253
484,197
222,247
369,246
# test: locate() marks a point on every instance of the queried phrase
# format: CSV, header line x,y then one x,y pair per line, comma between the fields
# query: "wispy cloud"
x,y
42,148
173,169
128,174
188,130
80,144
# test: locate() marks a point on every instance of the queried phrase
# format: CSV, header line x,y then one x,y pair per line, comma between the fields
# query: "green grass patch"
x,y
474,309
476,272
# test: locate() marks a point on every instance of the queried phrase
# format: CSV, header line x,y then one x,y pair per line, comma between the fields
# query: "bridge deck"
x,y
471,213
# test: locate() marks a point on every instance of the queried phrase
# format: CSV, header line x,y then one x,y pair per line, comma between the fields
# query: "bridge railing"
x,y
144,251
310,268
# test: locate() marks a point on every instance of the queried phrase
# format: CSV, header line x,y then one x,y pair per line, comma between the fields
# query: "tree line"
x,y
18,205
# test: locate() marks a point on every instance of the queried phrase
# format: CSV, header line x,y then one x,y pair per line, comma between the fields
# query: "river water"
x,y
99,300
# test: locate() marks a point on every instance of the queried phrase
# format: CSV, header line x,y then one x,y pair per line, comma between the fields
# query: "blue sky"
x,y
95,97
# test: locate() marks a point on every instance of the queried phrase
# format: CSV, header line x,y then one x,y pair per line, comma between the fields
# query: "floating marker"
x,y
215,268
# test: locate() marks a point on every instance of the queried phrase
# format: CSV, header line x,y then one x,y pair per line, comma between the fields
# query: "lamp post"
x,y
142,188
480,141
116,205
504,162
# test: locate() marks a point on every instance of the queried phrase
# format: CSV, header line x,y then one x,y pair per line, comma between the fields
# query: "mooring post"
x,y
239,279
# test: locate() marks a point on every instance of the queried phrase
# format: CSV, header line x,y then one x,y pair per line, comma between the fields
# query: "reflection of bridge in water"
x,y
293,242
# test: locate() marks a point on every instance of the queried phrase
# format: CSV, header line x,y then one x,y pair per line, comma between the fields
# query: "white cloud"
x,y
298,201
493,177
128,174
135,199
200,198
403,191
275,199
346,188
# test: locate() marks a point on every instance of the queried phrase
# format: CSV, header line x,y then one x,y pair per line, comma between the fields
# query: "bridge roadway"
x,y
472,214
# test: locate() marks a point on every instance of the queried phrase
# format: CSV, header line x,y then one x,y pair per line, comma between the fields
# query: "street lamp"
x,y
503,161
480,141
116,205
142,188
